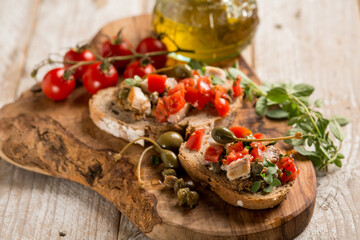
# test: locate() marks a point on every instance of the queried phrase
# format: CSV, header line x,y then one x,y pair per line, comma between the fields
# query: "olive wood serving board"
x,y
59,139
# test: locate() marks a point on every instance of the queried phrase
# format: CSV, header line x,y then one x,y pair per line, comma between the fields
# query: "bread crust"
x,y
225,188
119,124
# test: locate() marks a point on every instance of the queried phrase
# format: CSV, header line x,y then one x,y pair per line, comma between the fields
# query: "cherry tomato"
x,y
75,54
258,136
117,47
194,141
175,102
213,153
55,86
195,98
240,132
204,85
222,106
195,73
156,83
236,147
161,113
151,44
95,78
238,91
289,173
136,68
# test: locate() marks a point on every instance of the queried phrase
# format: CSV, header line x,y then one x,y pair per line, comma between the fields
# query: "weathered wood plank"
x,y
317,42
34,206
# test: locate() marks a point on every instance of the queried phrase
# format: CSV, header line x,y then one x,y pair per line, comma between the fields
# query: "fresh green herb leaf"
x,y
233,73
318,103
303,90
133,81
276,182
255,186
341,120
215,80
277,114
261,106
288,173
278,94
271,170
336,130
305,152
196,65
268,188
268,178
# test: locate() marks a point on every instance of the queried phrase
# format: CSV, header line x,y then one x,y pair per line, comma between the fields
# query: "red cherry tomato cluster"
x,y
58,83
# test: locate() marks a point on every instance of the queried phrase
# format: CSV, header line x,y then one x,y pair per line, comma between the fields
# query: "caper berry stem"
x,y
298,135
138,169
119,155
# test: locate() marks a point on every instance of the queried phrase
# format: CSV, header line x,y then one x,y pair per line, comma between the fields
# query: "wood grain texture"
x,y
301,41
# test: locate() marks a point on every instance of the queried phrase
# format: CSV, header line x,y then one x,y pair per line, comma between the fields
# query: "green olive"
x,y
192,199
182,71
223,135
170,141
179,184
169,158
170,180
182,195
168,172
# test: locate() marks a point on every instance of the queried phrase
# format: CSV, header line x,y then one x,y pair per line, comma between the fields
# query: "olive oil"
x,y
215,29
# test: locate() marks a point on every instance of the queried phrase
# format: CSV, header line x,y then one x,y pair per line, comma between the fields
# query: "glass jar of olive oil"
x,y
216,30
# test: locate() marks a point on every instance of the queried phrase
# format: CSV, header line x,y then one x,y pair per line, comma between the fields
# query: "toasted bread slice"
x,y
120,123
192,162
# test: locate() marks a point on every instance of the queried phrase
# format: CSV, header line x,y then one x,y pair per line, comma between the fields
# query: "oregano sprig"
x,y
291,101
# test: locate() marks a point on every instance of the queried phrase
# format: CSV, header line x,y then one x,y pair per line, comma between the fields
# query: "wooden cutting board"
x,y
59,139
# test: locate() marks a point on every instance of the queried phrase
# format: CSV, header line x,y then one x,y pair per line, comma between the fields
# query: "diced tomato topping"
x,y
258,136
283,162
195,98
238,91
175,102
237,147
194,141
240,132
219,91
204,85
178,88
161,113
257,154
213,153
258,145
188,82
156,83
195,73
222,106
233,156
289,173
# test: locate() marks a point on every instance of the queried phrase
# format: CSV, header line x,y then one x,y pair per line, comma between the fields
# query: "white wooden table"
x,y
311,41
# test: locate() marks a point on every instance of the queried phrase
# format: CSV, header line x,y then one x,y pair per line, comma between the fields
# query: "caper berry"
x,y
182,71
179,184
223,135
192,199
170,180
168,172
182,194
169,158
170,141
190,184
256,168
